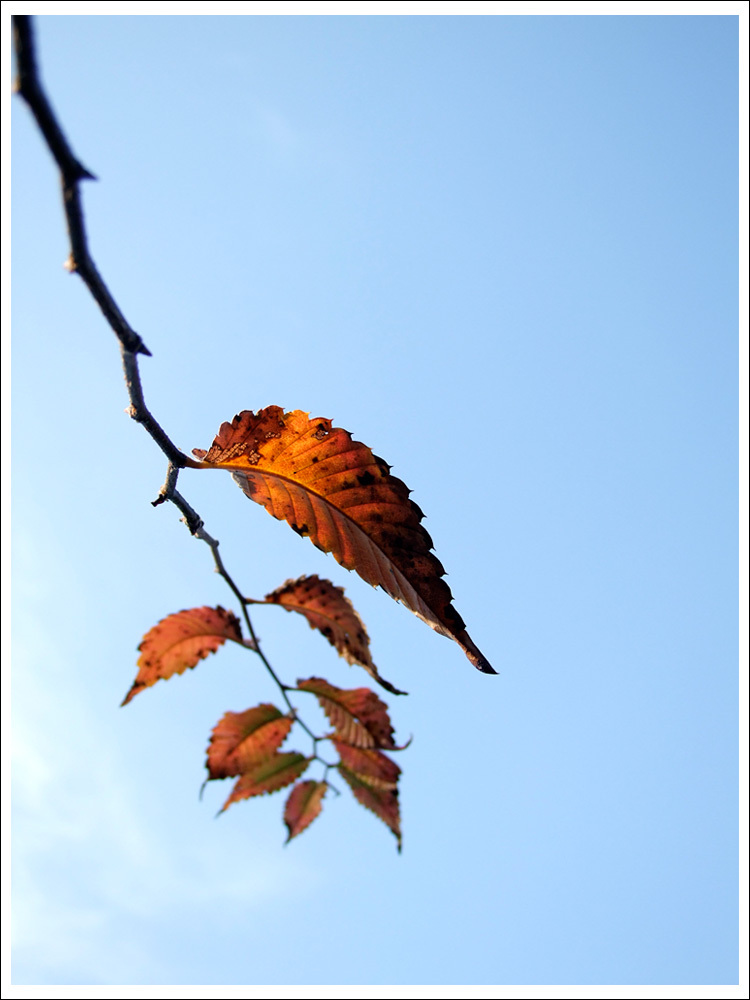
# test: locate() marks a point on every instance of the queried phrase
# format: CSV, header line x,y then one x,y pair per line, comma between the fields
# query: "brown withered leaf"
x,y
242,739
343,497
303,806
329,610
359,717
268,775
180,641
373,779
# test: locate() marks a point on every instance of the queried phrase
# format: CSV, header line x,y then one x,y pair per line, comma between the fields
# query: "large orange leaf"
x,y
303,806
373,779
359,717
242,739
329,610
181,641
269,775
343,497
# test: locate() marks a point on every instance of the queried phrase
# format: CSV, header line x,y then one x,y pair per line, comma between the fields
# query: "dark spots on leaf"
x,y
321,431
365,479
315,459
302,530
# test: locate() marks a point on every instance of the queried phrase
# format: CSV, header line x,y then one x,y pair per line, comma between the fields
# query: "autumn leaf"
x,y
268,775
303,806
359,717
329,610
373,779
338,493
242,739
180,641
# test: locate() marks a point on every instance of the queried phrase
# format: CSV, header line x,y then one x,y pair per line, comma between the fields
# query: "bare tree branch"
x,y
72,171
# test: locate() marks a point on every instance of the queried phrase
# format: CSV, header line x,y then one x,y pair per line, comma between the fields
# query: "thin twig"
x,y
72,171
143,416
222,571
28,85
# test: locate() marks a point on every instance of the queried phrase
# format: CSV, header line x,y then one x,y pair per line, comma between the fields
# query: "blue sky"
x,y
502,251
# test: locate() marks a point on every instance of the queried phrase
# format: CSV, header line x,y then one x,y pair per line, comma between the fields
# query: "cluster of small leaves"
x,y
247,745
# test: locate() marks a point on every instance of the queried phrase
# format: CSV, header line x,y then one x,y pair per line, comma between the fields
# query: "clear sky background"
x,y
502,251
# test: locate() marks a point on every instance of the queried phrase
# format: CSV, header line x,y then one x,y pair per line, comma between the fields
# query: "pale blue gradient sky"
x,y
502,252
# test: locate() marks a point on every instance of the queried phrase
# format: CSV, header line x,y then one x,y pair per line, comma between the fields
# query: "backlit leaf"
x,y
330,611
336,491
359,717
268,775
303,806
242,739
373,779
180,641
372,766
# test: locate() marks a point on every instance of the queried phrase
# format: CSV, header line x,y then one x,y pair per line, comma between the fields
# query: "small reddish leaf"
x,y
242,739
303,806
180,641
359,717
372,766
373,779
330,611
335,490
268,775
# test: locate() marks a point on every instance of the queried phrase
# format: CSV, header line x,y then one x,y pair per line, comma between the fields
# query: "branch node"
x,y
193,526
138,347
168,488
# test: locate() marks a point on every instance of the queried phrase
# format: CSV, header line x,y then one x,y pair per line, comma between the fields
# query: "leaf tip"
x,y
131,694
474,656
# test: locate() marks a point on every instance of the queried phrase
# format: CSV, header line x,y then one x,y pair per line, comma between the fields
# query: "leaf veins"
x,y
180,641
303,806
336,491
359,717
269,775
329,610
242,739
373,779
